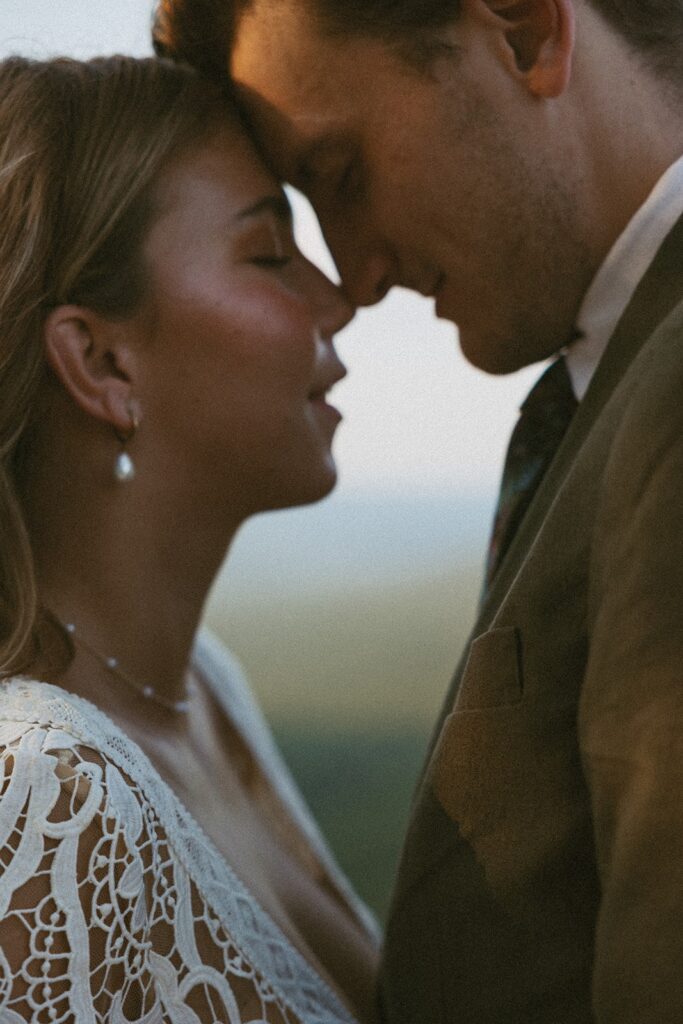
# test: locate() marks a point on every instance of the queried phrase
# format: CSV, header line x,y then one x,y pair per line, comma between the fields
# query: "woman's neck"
x,y
132,577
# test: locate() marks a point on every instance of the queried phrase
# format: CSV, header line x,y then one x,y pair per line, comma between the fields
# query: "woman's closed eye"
x,y
267,245
272,260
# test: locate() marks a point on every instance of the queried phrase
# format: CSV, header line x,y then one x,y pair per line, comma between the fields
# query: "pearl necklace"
x,y
111,664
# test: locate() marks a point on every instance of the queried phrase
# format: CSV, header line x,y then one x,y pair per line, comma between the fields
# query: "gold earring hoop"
x,y
124,467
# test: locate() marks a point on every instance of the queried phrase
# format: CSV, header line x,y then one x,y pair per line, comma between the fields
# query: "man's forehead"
x,y
295,139
275,42
290,98
309,97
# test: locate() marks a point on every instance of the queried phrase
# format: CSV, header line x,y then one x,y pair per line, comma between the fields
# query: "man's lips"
x,y
429,289
439,298
438,285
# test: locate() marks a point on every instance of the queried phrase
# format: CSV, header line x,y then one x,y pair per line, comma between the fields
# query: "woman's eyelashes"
x,y
273,261
267,247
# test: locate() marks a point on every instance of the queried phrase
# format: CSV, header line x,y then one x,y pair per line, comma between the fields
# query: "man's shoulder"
x,y
652,389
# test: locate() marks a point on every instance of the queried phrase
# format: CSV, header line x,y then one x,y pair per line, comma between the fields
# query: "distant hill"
x,y
356,538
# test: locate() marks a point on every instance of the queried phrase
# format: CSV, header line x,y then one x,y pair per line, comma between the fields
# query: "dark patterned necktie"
x,y
543,421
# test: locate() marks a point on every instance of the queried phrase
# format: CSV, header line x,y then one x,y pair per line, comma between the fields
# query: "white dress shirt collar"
x,y
618,277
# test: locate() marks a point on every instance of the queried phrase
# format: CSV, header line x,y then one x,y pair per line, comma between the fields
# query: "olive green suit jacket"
x,y
542,875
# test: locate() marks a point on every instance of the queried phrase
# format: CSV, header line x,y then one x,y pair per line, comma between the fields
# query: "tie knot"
x,y
552,396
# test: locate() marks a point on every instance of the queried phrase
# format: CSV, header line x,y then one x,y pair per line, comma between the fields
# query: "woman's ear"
x,y
539,36
94,360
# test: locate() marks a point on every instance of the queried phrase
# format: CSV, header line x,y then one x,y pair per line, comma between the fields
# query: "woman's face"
x,y
237,354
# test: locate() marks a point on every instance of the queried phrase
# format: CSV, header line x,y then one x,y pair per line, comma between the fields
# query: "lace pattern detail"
x,y
115,905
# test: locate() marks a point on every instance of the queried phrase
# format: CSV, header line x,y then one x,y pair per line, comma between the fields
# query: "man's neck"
x,y
618,277
628,129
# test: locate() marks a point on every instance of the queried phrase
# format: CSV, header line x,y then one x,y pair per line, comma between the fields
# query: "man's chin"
x,y
485,349
489,355
498,355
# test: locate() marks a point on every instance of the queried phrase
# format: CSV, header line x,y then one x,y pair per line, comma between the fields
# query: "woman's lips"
x,y
318,399
324,411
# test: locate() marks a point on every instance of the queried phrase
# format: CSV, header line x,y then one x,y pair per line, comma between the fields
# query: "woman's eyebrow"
x,y
277,204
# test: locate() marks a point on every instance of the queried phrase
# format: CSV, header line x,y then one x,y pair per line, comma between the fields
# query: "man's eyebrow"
x,y
306,157
313,150
277,204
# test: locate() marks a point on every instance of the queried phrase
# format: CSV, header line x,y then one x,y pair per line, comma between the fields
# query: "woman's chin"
x,y
324,490
316,487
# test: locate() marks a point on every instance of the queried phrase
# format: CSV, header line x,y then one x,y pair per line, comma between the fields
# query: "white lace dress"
x,y
109,888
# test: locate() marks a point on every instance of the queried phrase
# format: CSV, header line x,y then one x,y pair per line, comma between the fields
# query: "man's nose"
x,y
366,265
369,279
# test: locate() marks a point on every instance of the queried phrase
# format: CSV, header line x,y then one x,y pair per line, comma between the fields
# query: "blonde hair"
x,y
81,147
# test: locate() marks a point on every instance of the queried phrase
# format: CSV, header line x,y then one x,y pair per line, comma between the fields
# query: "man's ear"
x,y
94,362
539,35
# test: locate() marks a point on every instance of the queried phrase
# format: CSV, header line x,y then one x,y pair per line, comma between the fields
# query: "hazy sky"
x,y
417,416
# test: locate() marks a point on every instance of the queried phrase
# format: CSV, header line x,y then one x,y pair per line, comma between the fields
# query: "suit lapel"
x,y
659,291
655,297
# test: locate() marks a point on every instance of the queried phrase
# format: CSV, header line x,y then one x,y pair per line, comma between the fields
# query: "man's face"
x,y
450,181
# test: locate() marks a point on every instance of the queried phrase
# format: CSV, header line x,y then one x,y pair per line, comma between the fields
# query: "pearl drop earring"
x,y
124,467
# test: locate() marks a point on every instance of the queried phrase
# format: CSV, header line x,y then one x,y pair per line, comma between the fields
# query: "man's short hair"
x,y
653,28
201,32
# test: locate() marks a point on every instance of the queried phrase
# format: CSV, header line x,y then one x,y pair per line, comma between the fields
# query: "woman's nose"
x,y
336,310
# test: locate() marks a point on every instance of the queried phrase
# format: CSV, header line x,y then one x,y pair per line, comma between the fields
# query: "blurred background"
x,y
349,615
